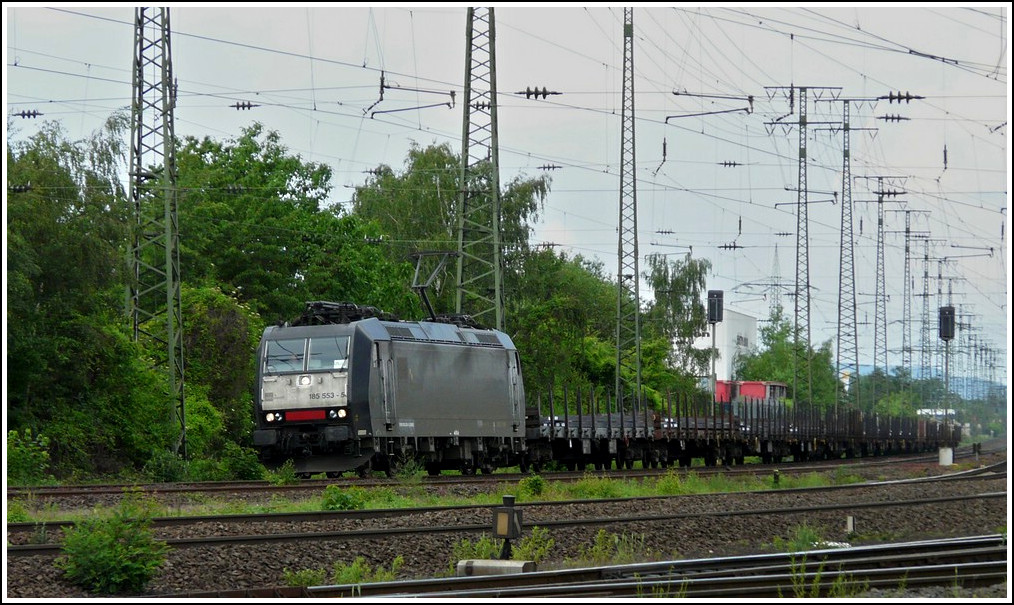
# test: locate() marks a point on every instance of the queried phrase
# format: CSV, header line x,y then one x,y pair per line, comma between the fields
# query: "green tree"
x,y
776,361
255,220
417,212
677,314
560,317
220,342
74,374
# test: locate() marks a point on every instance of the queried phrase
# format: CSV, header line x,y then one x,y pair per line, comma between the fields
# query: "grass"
x,y
409,493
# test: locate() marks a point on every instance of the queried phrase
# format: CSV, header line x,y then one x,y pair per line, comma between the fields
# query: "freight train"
x,y
348,388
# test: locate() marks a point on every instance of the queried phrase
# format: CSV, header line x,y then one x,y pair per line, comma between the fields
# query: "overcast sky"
x,y
716,145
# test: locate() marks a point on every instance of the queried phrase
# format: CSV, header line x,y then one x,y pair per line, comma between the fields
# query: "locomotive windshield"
x,y
325,353
329,353
284,355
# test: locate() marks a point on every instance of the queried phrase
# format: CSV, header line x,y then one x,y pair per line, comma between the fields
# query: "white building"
x,y
735,334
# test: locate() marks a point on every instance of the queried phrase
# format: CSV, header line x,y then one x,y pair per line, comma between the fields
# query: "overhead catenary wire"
x,y
728,133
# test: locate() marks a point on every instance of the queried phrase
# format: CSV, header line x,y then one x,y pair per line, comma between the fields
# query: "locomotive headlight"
x,y
273,417
304,381
332,414
342,412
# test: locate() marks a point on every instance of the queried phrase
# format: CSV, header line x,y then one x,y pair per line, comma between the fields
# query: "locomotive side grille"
x,y
397,332
489,339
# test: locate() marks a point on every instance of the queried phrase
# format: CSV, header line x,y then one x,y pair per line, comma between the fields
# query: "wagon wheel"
x,y
364,471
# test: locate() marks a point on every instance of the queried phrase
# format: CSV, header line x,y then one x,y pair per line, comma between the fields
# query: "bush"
x,y
166,467
612,549
241,463
116,554
17,512
349,498
534,547
804,537
207,469
27,458
532,485
283,475
360,573
487,547
670,484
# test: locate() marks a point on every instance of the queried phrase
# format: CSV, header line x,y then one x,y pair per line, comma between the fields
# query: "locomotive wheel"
x,y
334,474
468,468
364,471
432,469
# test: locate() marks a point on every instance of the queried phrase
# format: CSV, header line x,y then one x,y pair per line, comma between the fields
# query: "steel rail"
x,y
969,561
54,549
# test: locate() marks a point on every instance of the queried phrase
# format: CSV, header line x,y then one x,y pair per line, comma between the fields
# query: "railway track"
x,y
228,530
49,493
219,555
966,562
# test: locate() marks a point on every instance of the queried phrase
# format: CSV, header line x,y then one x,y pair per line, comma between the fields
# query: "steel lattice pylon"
x,y
848,338
628,312
906,309
925,347
880,313
776,284
479,270
801,333
154,299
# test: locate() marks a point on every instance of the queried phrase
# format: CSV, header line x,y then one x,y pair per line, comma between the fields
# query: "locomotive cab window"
x,y
330,353
285,355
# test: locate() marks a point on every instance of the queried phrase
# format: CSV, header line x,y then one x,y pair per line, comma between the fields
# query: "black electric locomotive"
x,y
349,388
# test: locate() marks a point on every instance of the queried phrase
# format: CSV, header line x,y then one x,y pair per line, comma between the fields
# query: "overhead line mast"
x,y
802,375
848,337
154,302
480,260
628,313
